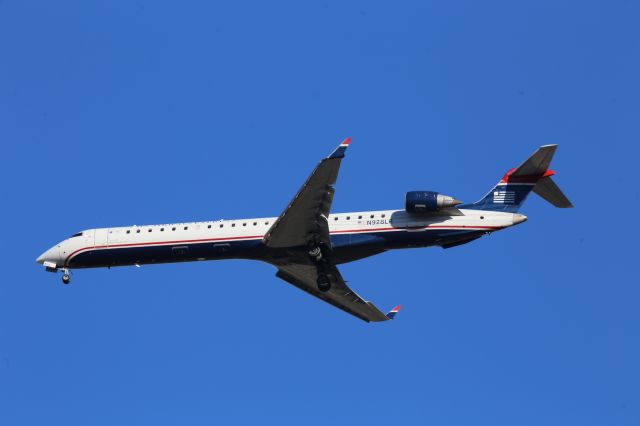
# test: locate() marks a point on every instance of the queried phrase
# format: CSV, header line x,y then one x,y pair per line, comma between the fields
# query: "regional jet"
x,y
307,242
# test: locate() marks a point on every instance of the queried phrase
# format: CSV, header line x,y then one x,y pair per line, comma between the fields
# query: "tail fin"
x,y
512,190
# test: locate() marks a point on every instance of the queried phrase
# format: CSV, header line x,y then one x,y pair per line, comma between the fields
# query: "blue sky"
x,y
120,113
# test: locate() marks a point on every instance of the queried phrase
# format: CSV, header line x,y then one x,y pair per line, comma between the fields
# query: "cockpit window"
x,y
79,234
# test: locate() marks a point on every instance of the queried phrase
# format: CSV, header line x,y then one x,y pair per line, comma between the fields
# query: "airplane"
x,y
307,242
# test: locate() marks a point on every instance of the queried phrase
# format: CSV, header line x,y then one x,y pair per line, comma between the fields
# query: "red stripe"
x,y
250,237
155,243
507,178
418,227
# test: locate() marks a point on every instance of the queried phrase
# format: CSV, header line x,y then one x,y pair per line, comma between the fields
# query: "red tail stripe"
x,y
507,178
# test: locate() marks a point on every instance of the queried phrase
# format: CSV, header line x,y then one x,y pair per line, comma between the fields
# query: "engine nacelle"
x,y
428,201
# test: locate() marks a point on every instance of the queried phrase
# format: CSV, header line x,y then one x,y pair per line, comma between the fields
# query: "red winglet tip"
x,y
346,141
396,309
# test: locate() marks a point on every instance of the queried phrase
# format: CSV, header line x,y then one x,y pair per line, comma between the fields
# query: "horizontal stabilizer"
x,y
538,163
547,189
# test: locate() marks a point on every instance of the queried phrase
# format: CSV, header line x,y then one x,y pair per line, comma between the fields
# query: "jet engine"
x,y
428,201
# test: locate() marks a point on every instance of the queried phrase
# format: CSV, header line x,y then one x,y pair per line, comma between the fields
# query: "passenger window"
x,y
173,229
128,231
138,231
372,216
383,215
221,225
255,223
186,227
149,230
161,229
348,217
209,226
233,225
335,218
266,223
359,217
244,224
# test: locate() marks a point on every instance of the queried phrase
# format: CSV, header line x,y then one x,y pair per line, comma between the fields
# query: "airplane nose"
x,y
51,255
518,218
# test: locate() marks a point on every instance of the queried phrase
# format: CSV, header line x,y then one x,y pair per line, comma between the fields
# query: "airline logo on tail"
x,y
504,197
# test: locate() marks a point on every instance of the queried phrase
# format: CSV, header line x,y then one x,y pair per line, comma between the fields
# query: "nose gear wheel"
x,y
66,277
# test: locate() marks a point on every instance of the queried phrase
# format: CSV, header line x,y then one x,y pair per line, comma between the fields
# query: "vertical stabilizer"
x,y
514,187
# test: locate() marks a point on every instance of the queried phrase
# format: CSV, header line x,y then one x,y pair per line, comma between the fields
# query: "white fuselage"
x,y
391,228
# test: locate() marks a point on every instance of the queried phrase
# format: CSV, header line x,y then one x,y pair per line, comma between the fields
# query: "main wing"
x,y
303,225
340,295
305,218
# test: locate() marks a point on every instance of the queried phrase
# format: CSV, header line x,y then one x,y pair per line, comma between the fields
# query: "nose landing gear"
x,y
66,278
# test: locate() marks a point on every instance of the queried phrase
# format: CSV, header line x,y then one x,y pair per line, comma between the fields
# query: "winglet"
x,y
340,150
392,313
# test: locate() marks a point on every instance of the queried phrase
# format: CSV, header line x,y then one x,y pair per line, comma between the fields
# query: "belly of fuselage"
x,y
187,252
346,248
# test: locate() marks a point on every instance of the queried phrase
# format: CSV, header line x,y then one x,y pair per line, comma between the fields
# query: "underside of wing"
x,y
304,221
302,232
339,295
